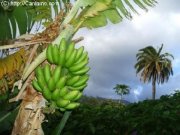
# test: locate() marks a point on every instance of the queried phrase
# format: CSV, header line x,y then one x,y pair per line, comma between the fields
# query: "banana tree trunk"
x,y
29,120
154,89
30,116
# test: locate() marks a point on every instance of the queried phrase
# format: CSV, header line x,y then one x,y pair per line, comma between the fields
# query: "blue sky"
x,y
112,50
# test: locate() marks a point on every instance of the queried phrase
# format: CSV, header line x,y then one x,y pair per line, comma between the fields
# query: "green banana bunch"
x,y
62,80
66,55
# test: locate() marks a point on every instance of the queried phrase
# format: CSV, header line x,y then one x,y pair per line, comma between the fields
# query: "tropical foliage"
x,y
8,112
25,15
122,89
159,117
94,13
153,65
149,117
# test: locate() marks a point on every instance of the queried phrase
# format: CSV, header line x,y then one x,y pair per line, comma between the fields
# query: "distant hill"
x,y
122,101
100,100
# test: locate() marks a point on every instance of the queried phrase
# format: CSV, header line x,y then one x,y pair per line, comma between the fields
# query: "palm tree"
x,y
122,89
153,65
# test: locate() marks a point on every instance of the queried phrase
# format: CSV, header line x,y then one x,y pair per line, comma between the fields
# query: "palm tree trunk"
x,y
120,99
154,89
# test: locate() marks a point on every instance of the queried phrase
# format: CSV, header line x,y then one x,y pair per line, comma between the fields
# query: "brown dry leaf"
x,y
52,31
13,62
12,67
30,115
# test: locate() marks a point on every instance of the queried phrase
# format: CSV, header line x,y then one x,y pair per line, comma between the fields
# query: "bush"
x,y
106,117
159,117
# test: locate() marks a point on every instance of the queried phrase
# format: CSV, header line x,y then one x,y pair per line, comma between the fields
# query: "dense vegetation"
x,y
158,117
8,112
108,117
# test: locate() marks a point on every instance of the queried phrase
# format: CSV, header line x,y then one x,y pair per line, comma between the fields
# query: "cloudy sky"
x,y
112,51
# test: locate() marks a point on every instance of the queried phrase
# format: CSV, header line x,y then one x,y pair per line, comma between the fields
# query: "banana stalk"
x,y
62,123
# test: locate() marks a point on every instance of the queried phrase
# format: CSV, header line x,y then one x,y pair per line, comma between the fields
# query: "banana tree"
x,y
21,19
61,57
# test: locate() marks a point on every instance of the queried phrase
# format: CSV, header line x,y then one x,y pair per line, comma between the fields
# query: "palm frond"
x,y
160,49
122,89
104,10
151,64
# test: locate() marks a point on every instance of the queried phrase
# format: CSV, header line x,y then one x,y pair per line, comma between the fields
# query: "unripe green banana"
x,y
51,84
61,82
69,50
62,56
36,86
55,54
63,44
84,70
78,66
64,72
47,73
71,95
62,102
55,94
39,71
62,109
63,86
46,93
41,81
57,73
80,88
72,106
71,59
81,81
72,80
82,58
49,54
63,92
79,53
78,96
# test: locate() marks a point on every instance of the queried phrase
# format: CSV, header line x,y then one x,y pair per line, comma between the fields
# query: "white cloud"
x,y
176,63
144,20
175,18
137,92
